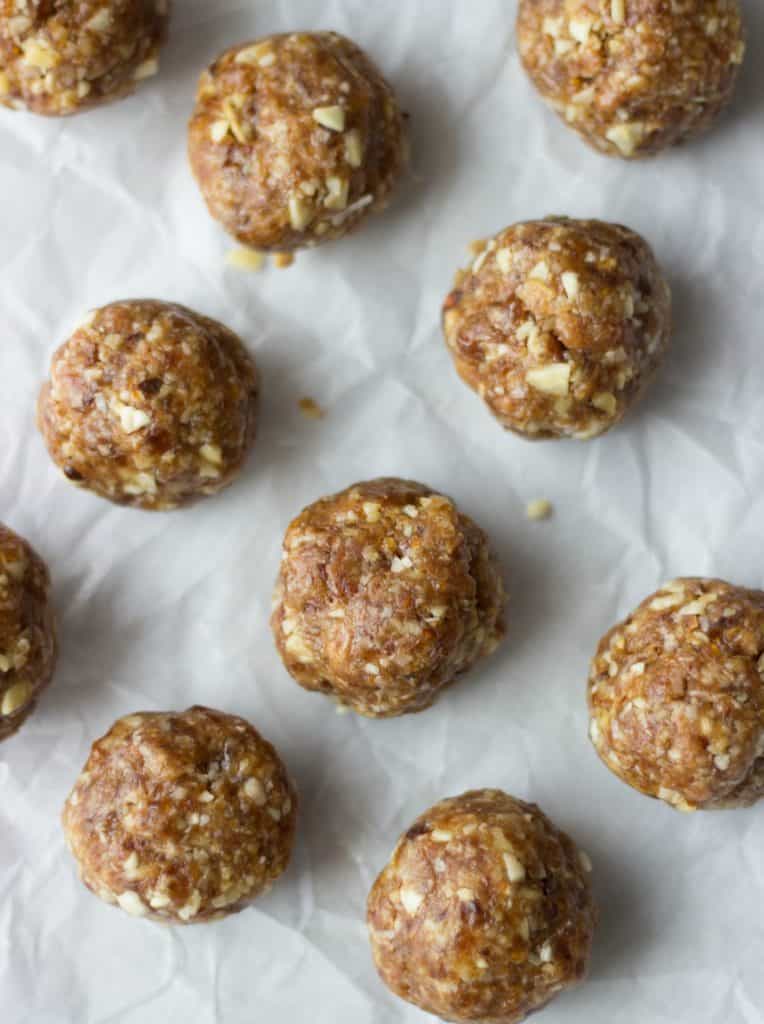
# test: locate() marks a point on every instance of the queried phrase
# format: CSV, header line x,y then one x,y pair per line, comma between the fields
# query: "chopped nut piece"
x,y
311,409
147,69
338,190
571,284
282,260
330,117
301,213
259,53
243,258
539,509
219,130
354,148
627,137
553,379
606,402
15,698
131,419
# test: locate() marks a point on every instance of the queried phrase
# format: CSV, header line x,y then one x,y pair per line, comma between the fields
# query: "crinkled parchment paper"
x,y
163,611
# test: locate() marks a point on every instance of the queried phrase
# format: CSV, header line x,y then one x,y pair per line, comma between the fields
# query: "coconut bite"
x,y
64,57
559,325
484,913
27,633
676,696
295,140
181,817
633,77
387,593
150,404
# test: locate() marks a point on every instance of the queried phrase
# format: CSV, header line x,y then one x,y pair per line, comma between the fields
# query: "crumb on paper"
x,y
309,407
244,258
539,509
283,260
478,246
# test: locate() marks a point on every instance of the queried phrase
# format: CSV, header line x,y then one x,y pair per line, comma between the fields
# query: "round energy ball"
x,y
558,325
150,404
27,634
295,140
61,58
633,77
676,696
386,594
484,913
181,817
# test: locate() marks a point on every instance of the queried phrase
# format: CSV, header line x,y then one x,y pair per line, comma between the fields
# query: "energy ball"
x,y
633,77
676,696
150,404
386,594
181,817
295,140
558,325
27,634
484,913
64,57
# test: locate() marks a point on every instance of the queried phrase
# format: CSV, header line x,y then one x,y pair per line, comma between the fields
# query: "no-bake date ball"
x,y
633,77
386,594
676,696
27,635
295,140
558,325
63,57
484,912
181,817
150,404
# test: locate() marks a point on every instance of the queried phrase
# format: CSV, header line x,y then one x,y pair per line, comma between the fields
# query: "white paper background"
x,y
162,611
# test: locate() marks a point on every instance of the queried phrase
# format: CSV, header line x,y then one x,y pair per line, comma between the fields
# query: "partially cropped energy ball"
x,y
63,57
633,77
676,696
558,325
27,635
181,817
386,594
484,913
150,404
295,140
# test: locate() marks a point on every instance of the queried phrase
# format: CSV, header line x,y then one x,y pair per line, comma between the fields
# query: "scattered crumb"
x,y
283,260
245,259
478,246
539,509
311,409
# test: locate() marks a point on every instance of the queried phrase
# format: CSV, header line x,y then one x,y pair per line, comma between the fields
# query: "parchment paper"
x,y
163,611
